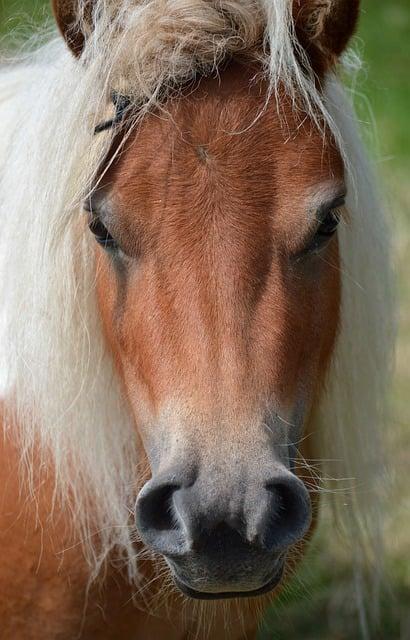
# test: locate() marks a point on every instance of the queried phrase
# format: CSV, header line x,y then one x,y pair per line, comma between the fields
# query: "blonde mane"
x,y
61,387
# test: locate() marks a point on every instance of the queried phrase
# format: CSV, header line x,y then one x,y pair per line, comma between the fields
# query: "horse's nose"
x,y
266,516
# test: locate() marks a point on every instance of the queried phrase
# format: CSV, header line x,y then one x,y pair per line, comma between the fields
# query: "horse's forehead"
x,y
228,137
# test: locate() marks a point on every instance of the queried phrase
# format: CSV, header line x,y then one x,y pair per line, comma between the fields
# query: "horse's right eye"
x,y
101,234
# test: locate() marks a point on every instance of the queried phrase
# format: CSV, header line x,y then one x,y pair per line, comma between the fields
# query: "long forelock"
x,y
145,49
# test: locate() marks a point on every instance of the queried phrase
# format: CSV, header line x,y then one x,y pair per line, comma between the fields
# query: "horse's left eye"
x,y
101,234
329,224
324,231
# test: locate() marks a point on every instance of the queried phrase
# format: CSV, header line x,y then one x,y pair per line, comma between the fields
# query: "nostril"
x,y
289,516
290,506
156,509
156,518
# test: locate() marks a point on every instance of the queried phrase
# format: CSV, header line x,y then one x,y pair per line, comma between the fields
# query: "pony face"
x,y
219,289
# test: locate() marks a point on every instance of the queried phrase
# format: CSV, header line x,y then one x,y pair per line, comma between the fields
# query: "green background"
x,y
319,605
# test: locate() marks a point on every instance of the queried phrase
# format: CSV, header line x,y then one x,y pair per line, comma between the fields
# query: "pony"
x,y
196,316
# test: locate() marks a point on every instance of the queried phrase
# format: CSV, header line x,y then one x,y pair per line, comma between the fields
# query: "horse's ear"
x,y
67,14
323,28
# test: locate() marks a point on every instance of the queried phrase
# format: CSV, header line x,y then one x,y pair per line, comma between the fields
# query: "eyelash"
x,y
329,224
325,231
101,234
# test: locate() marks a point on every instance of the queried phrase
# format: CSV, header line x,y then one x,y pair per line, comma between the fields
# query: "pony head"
x,y
218,274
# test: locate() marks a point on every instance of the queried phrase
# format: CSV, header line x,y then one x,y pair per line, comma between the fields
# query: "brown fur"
x,y
212,241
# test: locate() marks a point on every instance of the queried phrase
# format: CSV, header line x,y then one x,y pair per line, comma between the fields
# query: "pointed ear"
x,y
67,14
323,28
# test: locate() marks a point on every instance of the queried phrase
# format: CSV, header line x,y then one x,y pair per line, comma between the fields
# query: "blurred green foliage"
x,y
319,605
19,17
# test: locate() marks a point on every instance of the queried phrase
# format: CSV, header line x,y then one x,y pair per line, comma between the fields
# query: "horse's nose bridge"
x,y
214,329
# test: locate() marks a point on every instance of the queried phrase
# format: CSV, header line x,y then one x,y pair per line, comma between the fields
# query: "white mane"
x,y
62,386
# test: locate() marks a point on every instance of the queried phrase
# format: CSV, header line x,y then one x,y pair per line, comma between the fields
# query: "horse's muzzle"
x,y
224,537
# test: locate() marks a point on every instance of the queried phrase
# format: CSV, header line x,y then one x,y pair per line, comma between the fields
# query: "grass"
x,y
319,604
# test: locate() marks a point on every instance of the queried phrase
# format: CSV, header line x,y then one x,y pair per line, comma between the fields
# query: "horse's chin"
x,y
224,595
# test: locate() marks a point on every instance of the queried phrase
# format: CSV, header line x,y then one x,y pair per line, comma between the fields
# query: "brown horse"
x,y
186,344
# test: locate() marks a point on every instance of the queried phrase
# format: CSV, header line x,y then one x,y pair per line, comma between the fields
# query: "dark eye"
x,y
102,235
329,222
